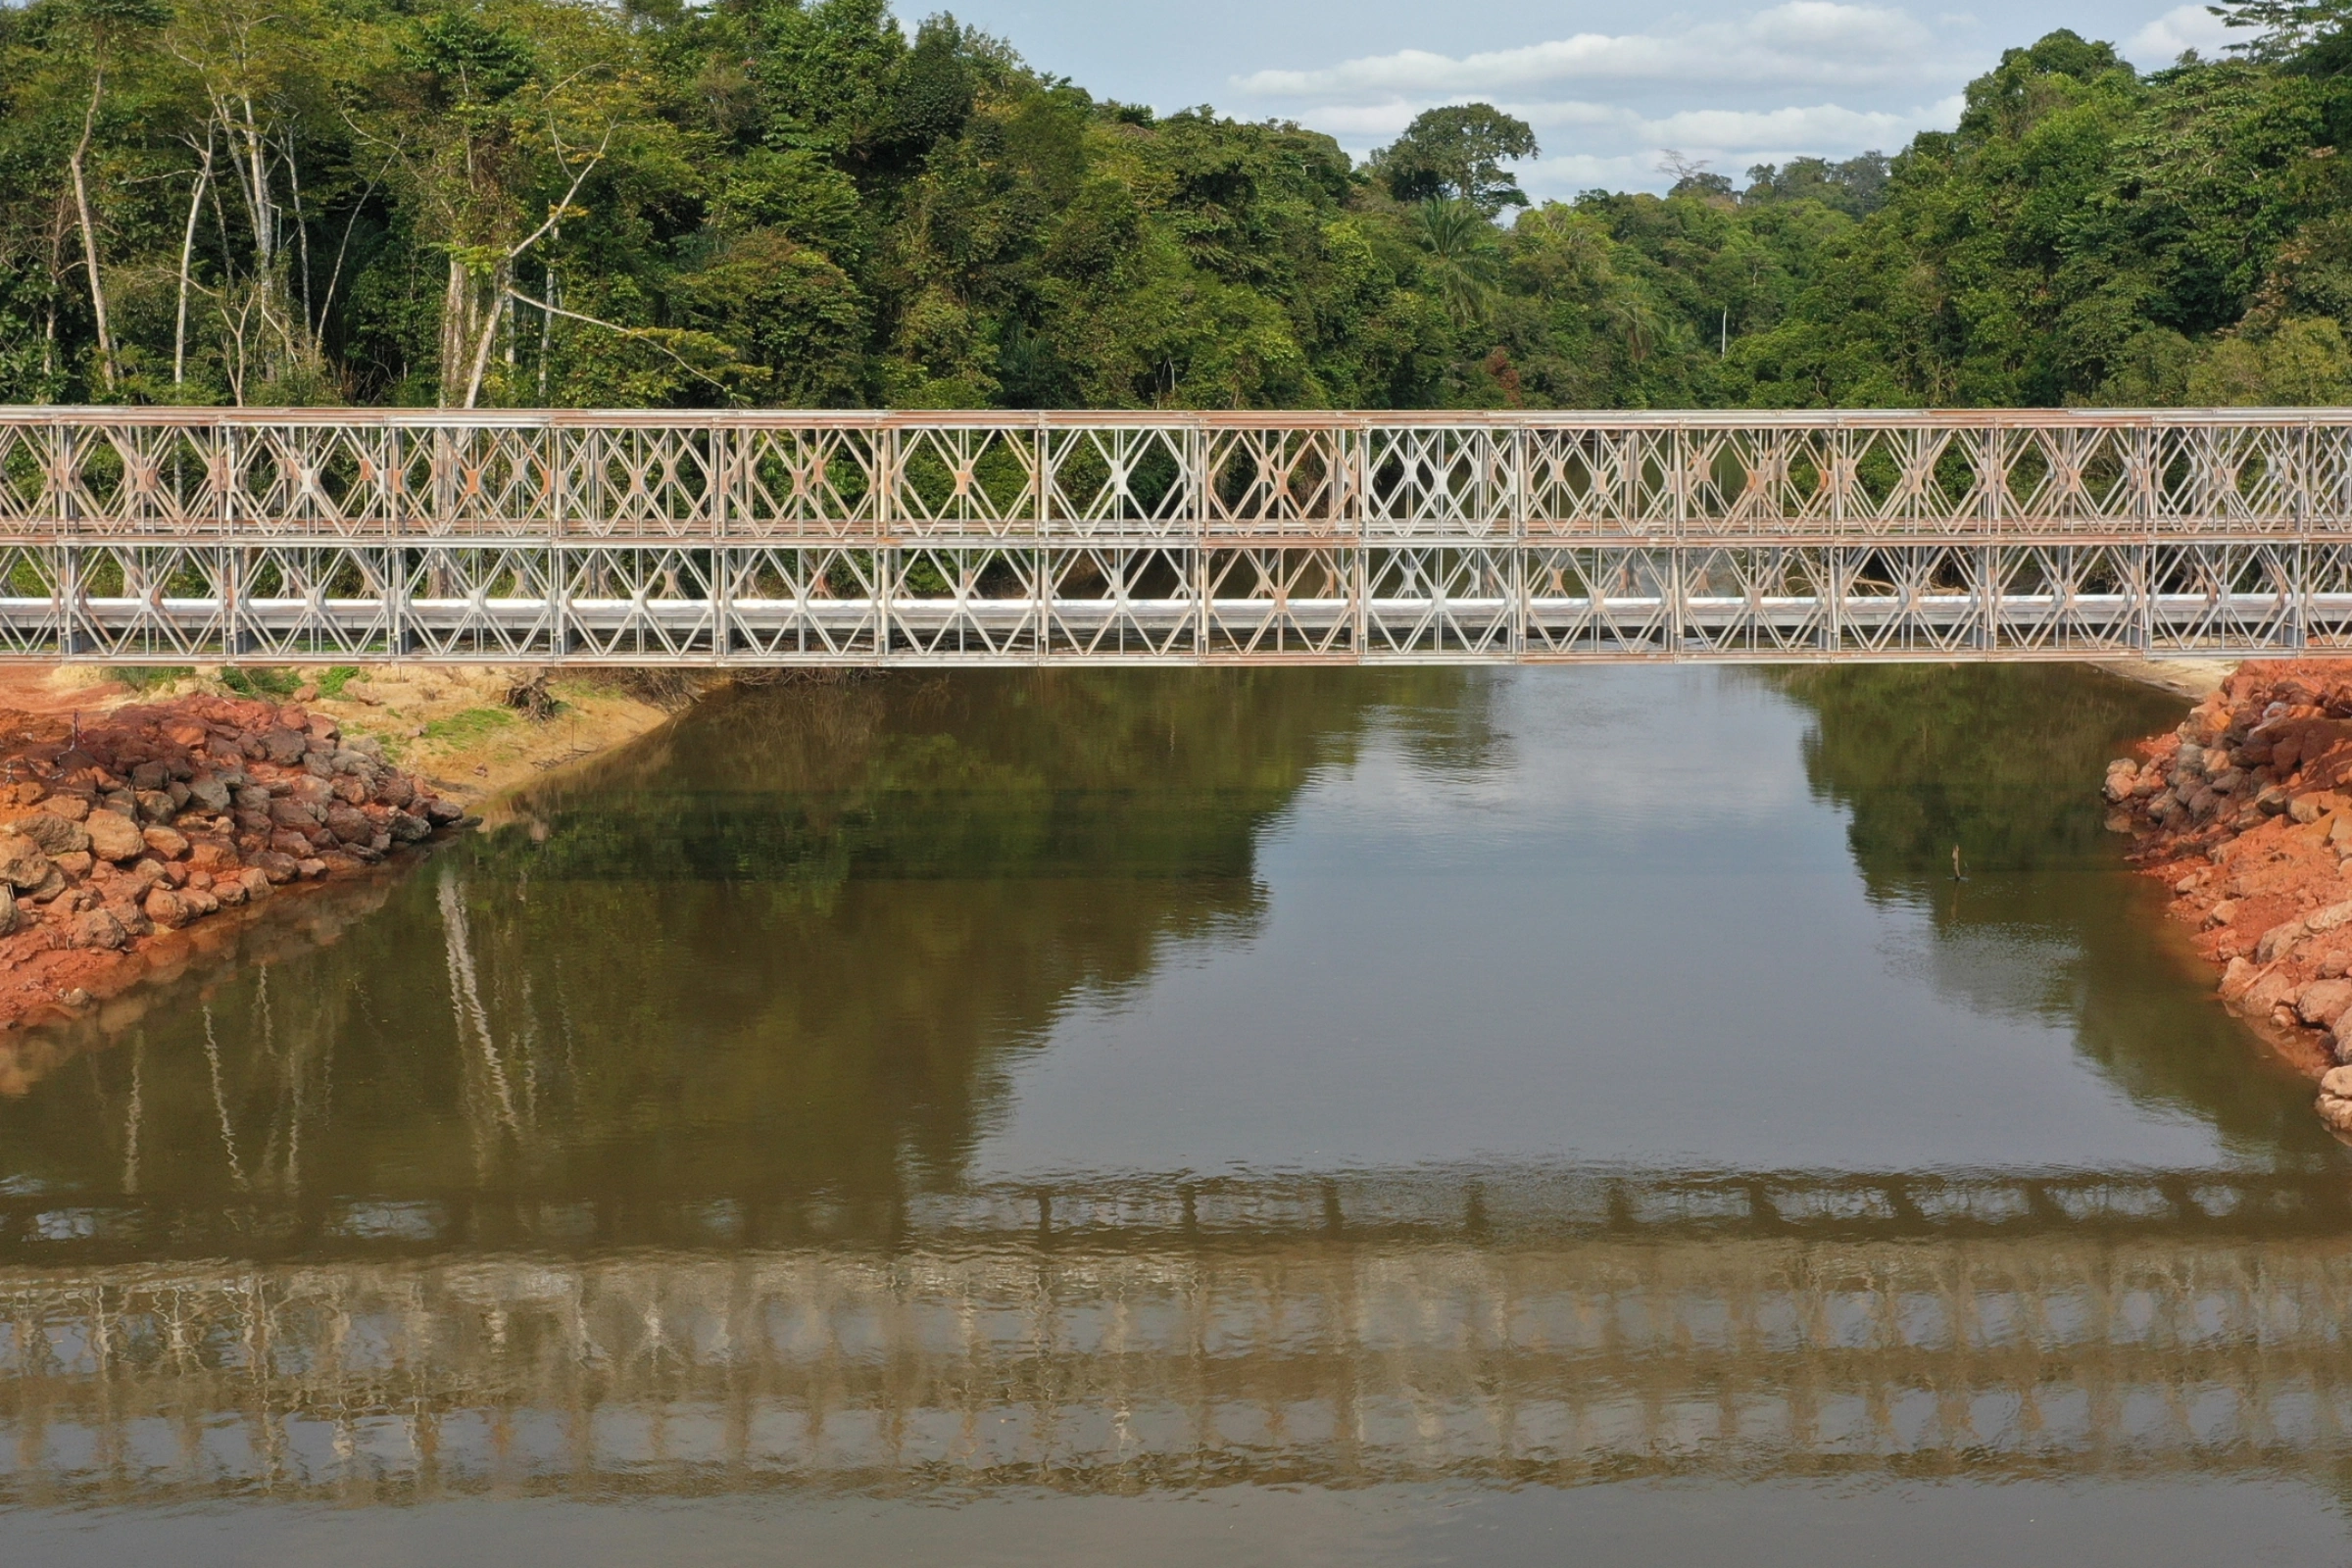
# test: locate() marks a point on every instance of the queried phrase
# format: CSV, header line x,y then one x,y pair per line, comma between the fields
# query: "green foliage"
x,y
1458,153
268,684
790,202
469,727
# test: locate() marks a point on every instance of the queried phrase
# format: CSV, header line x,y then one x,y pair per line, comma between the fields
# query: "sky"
x,y
1613,92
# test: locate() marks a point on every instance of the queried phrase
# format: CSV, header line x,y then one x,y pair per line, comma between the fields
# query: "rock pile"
x,y
2245,810
152,818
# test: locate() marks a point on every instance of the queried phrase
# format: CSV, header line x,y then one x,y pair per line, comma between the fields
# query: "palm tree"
x,y
1463,259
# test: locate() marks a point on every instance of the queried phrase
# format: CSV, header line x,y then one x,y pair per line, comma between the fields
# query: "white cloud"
x,y
1815,127
1819,42
2183,28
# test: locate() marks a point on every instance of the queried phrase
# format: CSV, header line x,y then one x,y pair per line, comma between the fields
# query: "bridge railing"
x,y
173,536
106,472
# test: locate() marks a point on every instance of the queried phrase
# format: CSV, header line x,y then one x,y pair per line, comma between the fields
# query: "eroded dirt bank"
x,y
120,830
2245,811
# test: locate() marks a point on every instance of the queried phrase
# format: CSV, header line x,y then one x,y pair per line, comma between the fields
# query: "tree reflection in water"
x,y
788,941
2003,761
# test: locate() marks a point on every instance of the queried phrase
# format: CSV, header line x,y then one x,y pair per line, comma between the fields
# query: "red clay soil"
x,y
122,832
2245,810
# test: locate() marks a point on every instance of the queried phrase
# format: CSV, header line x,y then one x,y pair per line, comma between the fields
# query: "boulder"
x,y
2277,940
406,830
168,909
348,824
8,911
155,805
2337,1081
2238,979
2336,1114
73,808
97,928
209,793
443,813
2323,1002
115,837
22,862
2271,991
55,835
166,843
284,745
2328,918
2222,914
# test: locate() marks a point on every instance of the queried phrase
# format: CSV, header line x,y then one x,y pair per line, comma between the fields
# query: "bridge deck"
x,y
147,536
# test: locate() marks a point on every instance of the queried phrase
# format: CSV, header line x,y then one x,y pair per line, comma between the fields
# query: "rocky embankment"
x,y
2245,810
117,833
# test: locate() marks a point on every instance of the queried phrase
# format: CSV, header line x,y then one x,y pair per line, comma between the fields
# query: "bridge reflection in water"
x,y
1551,1327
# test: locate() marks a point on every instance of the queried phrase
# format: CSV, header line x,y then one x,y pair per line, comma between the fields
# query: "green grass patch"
x,y
270,685
332,681
147,677
465,728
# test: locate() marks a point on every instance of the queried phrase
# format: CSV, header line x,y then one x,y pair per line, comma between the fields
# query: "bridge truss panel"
x,y
143,535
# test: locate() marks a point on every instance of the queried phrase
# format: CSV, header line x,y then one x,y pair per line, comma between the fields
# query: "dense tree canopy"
x,y
797,202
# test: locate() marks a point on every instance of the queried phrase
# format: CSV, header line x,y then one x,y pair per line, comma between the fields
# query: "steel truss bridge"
x,y
146,536
1550,1327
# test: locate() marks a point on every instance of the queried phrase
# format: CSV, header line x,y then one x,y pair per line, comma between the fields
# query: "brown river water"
x,y
1283,1116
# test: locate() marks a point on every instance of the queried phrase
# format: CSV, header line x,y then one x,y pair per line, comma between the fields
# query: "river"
x,y
1284,1116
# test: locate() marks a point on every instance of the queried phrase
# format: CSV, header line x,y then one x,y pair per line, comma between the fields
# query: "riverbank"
x,y
142,827
122,830
2245,810
468,732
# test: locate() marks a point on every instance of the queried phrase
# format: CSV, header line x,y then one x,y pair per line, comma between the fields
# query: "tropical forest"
x,y
811,203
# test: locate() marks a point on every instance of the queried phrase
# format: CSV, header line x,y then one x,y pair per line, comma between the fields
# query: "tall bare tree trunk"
x,y
457,334
187,253
488,335
89,230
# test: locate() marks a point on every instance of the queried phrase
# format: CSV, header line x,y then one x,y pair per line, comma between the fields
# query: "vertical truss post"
x,y
68,598
2302,556
1039,553
1516,509
721,489
1993,484
559,552
1677,571
1353,504
1197,442
883,580
2141,475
